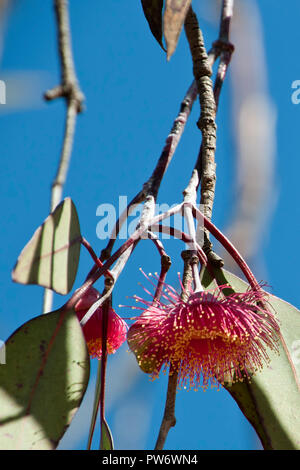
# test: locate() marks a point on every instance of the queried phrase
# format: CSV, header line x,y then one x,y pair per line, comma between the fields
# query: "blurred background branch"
x,y
254,117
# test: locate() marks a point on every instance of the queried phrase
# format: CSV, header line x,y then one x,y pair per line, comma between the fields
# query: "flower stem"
x,y
169,419
165,266
229,247
96,406
174,232
105,310
97,261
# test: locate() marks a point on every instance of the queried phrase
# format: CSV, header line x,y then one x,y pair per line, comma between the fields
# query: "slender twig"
x,y
97,261
172,140
229,247
169,419
189,198
165,266
181,236
95,406
121,255
157,243
99,397
69,89
105,312
152,185
225,21
223,43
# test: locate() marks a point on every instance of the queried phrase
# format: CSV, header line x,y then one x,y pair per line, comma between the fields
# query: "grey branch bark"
x,y
68,89
209,99
206,123
205,166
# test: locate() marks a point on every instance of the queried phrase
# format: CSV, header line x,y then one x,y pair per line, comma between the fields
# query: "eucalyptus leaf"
x,y
43,381
271,400
153,14
50,259
174,16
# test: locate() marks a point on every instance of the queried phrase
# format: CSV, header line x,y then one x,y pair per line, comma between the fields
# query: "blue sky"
x,y
132,96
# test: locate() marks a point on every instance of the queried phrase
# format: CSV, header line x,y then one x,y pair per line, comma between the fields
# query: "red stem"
x,y
229,247
105,312
97,261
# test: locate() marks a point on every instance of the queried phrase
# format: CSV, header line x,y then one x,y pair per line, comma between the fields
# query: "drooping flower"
x,y
92,330
208,339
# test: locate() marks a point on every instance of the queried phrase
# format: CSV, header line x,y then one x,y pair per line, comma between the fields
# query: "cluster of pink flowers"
x,y
209,338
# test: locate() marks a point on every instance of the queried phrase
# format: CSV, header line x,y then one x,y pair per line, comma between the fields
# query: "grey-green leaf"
x,y
43,381
153,14
50,259
174,16
271,401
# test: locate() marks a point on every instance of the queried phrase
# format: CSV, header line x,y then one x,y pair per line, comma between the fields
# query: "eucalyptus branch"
x,y
223,48
189,197
121,255
225,21
224,45
226,49
202,73
69,89
152,185
206,123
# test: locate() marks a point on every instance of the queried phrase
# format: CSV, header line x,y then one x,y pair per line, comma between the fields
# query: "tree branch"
x,y
206,123
152,185
209,99
206,170
68,89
